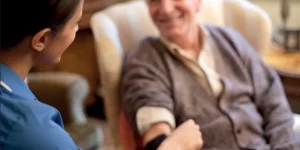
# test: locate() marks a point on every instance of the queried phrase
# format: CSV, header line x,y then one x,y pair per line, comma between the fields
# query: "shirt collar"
x,y
11,81
174,48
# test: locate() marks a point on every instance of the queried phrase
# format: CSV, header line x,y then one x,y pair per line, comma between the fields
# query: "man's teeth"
x,y
170,19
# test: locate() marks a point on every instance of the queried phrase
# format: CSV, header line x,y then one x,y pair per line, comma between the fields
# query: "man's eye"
x,y
153,1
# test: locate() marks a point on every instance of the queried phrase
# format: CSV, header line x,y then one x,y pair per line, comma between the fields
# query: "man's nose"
x,y
166,6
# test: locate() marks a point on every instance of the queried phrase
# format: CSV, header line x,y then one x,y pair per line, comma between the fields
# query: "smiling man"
x,y
205,73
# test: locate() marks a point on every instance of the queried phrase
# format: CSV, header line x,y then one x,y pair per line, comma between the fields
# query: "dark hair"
x,y
20,18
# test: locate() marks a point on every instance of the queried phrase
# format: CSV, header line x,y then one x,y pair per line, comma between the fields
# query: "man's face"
x,y
174,18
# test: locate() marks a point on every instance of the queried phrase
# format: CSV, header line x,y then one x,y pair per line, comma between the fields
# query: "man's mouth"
x,y
170,19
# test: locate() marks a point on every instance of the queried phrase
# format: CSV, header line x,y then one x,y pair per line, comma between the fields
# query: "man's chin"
x,y
170,34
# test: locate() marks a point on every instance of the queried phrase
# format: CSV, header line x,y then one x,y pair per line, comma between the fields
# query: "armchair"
x,y
121,27
67,92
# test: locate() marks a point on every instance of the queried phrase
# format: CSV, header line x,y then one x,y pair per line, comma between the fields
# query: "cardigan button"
x,y
238,131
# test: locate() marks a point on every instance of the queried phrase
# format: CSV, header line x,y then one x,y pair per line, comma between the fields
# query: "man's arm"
x,y
147,101
154,121
269,98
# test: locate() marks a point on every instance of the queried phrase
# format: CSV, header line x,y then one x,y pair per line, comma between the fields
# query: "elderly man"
x,y
208,74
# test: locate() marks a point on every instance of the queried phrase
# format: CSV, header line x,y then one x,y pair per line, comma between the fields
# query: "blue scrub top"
x,y
25,122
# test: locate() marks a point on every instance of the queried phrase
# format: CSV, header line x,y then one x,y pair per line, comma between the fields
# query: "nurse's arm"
x,y
38,137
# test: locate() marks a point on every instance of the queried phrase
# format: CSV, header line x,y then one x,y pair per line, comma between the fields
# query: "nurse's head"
x,y
38,31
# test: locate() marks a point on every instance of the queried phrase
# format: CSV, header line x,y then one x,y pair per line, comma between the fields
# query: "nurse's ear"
x,y
41,39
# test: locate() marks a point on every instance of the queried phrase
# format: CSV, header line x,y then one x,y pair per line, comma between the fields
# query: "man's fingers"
x,y
190,121
198,134
197,127
200,143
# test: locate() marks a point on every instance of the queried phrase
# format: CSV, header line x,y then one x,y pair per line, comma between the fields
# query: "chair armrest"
x,y
64,91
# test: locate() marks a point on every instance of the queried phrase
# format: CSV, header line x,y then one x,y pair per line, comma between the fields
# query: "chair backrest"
x,y
121,27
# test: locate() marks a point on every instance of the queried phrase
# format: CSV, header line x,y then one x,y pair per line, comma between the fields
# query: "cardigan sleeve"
x,y
144,89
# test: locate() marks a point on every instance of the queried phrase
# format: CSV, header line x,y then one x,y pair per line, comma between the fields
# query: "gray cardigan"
x,y
252,111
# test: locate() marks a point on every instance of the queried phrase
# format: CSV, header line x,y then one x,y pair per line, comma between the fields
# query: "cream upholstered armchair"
x,y
121,27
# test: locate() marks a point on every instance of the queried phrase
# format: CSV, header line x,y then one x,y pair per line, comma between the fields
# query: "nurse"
x,y
34,32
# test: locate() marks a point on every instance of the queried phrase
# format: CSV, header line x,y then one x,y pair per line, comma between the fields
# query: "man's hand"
x,y
186,137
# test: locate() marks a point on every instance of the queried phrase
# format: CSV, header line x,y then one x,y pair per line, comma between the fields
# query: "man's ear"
x,y
40,39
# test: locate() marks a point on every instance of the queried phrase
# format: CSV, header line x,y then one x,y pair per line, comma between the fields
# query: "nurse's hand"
x,y
186,137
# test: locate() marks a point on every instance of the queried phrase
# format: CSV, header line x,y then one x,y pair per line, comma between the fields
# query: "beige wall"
x,y
273,9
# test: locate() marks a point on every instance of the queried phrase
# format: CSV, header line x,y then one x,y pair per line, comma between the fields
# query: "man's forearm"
x,y
153,122
156,130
